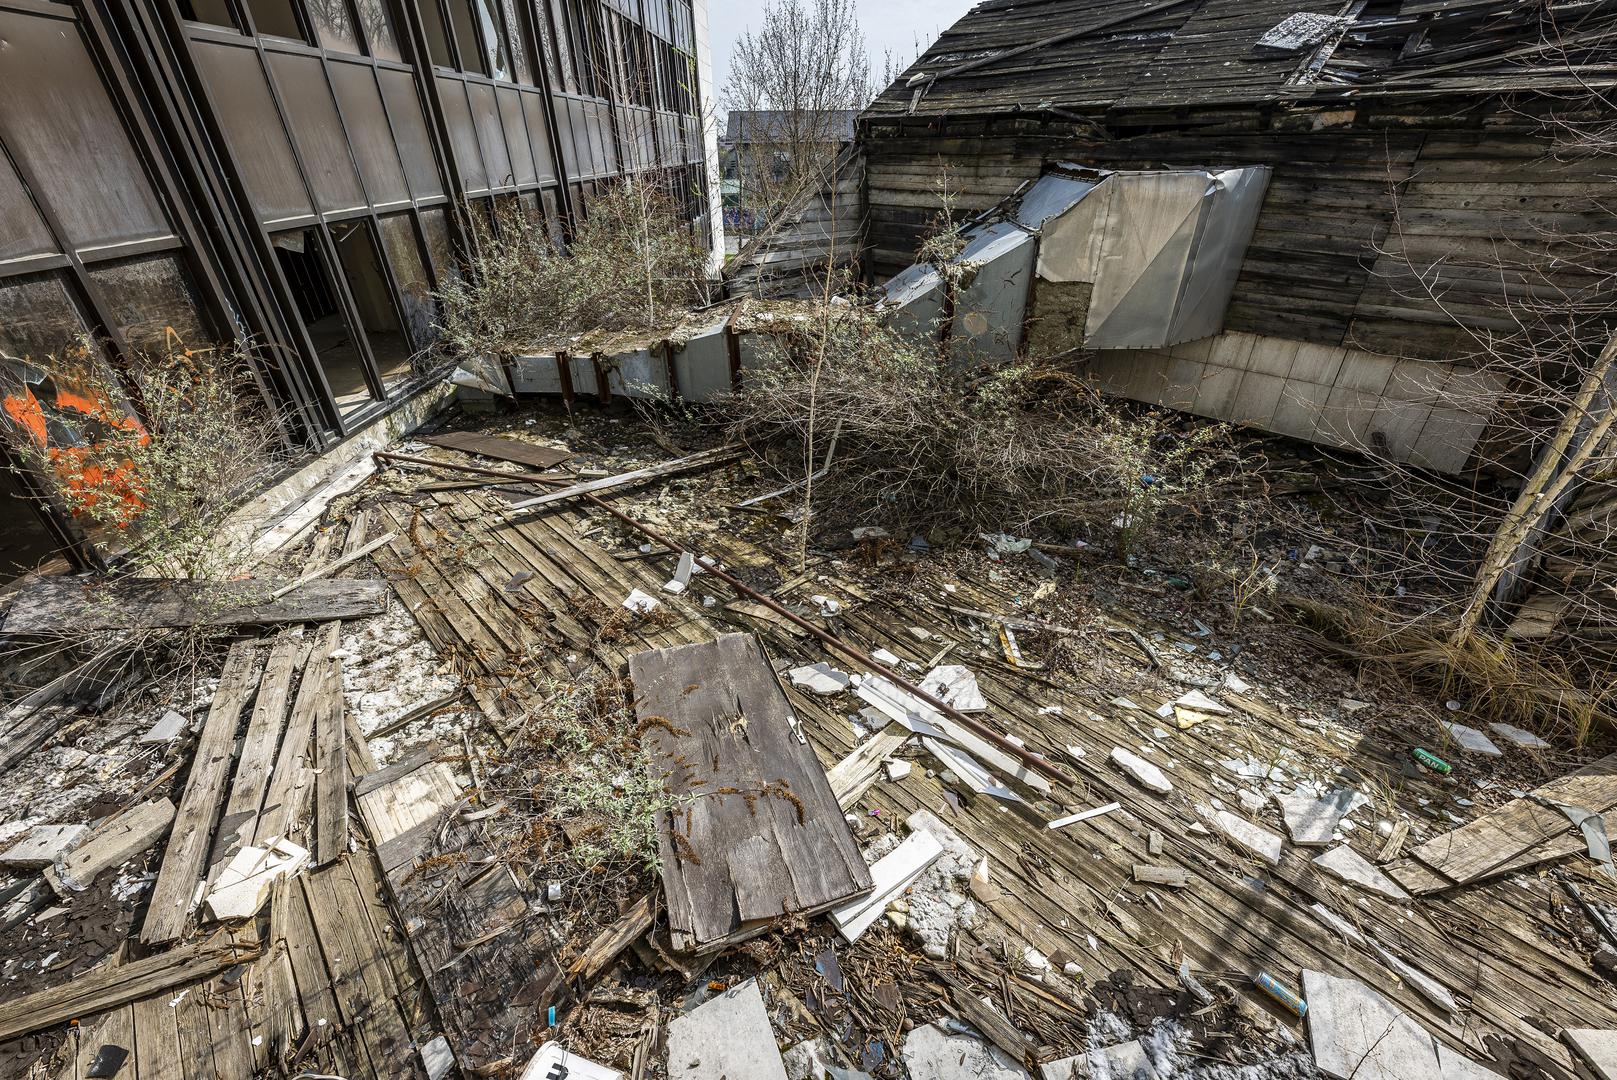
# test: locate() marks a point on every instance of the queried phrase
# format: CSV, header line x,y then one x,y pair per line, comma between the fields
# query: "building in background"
x,y
303,173
765,151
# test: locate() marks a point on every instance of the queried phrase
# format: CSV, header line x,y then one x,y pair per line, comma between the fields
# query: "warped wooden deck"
x,y
512,602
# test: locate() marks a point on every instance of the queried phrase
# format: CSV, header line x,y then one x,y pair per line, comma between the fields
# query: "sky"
x,y
906,27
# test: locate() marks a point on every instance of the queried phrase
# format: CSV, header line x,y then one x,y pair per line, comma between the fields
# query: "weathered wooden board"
x,y
1497,842
120,837
760,834
176,886
331,775
113,985
259,745
501,449
71,605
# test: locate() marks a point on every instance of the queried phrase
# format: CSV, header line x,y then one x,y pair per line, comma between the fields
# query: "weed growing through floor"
x,y
925,443
584,802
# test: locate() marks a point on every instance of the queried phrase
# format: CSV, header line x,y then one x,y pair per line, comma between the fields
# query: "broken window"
x,y
373,299
415,287
498,60
151,301
520,63
321,310
25,543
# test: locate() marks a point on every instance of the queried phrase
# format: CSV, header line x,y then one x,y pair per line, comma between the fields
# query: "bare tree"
x,y
796,79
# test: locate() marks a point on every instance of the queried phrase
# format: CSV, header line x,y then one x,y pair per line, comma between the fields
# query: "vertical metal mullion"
x,y
426,78
548,105
267,292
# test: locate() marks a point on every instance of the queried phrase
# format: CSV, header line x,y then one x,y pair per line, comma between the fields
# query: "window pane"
x,y
377,24
368,132
533,111
564,48
466,43
215,12
367,284
488,21
22,230
432,21
462,135
56,117
51,374
333,25
410,130
516,134
435,229
415,288
519,42
275,17
489,134
152,302
313,118
253,129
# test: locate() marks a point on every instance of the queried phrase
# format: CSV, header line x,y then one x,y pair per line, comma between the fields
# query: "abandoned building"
x,y
1417,179
550,722
306,176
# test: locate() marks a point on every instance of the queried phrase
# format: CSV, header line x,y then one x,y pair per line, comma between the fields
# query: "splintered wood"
x,y
758,834
1519,834
71,605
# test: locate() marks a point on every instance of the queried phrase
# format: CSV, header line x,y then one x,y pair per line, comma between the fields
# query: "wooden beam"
x,y
109,987
331,777
705,460
73,605
176,885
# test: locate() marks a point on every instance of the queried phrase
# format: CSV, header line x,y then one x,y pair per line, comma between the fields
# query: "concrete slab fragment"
x,y
169,727
1254,838
1356,1033
41,846
1470,739
820,678
1521,738
1313,821
1350,866
1125,1061
932,1052
1597,1047
1142,770
728,1036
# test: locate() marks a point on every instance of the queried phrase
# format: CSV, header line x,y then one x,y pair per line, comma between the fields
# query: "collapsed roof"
x,y
1039,55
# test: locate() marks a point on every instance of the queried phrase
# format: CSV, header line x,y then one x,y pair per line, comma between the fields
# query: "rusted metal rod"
x,y
1035,761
